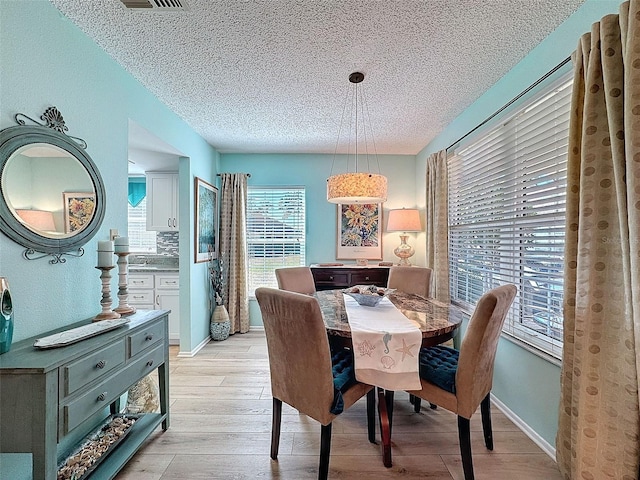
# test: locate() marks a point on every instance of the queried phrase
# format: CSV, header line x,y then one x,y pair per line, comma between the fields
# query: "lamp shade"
x,y
41,220
404,220
357,187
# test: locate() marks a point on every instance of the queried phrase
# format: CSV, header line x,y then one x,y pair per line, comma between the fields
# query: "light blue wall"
x,y
312,171
527,384
47,61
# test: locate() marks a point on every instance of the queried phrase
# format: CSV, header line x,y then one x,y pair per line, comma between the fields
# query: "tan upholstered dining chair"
x,y
416,280
304,374
460,381
296,279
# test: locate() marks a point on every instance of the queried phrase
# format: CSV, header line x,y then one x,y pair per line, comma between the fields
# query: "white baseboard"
x,y
528,431
193,352
256,328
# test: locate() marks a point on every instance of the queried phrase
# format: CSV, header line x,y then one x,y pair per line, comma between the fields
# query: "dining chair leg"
x,y
464,437
412,398
417,404
371,415
275,427
325,450
485,410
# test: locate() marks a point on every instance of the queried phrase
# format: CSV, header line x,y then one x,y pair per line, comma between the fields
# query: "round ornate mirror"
x,y
52,196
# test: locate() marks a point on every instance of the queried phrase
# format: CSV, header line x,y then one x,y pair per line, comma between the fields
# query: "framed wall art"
x,y
359,231
206,221
78,210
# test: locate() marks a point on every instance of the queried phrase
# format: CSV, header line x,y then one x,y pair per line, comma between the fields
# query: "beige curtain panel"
x,y
437,226
233,248
599,422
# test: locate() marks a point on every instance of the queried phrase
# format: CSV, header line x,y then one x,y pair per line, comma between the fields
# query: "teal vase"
x,y
6,316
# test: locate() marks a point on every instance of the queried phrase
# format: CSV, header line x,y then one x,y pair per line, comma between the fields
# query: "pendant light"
x,y
357,186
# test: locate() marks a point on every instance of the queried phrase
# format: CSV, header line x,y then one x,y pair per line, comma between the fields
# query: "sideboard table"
x,y
343,276
47,394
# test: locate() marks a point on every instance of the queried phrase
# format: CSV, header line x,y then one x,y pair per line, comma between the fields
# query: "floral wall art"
x,y
359,231
78,210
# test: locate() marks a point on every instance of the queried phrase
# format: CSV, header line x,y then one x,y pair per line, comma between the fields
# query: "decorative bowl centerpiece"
x,y
368,295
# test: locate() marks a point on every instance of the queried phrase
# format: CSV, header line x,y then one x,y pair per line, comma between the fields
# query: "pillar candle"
x,y
105,253
121,244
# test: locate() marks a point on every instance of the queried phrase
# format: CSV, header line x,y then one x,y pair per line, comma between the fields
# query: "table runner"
x,y
386,345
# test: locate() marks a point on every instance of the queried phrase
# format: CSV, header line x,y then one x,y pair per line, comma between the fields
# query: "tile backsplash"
x,y
167,243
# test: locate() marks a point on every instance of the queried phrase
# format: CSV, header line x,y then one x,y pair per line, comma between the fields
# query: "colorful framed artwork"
x,y
78,210
359,231
206,221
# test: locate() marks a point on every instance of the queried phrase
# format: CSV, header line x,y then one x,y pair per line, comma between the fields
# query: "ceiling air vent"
x,y
156,5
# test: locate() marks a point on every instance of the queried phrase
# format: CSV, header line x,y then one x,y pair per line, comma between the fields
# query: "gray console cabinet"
x,y
47,394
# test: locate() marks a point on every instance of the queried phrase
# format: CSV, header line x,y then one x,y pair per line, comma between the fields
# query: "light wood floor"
x,y
221,424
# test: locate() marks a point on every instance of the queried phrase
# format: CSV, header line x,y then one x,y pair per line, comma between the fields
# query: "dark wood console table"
x,y
330,278
47,394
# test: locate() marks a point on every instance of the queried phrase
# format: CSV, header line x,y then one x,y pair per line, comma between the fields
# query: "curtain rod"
x,y
514,99
219,174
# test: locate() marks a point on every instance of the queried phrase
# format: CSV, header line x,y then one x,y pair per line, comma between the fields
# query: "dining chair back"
x,y
416,280
296,279
304,374
460,381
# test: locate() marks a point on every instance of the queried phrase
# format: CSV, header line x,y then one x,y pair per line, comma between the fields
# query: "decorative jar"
x,y
220,324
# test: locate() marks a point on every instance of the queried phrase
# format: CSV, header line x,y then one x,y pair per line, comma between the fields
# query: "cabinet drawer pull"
x,y
101,364
138,297
168,222
149,363
102,396
149,337
136,282
174,222
170,282
366,278
330,277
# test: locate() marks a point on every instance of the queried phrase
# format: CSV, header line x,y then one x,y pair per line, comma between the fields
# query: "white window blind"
x,y
140,240
275,232
507,214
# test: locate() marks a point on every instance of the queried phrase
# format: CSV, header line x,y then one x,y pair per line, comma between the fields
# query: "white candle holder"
x,y
123,307
106,301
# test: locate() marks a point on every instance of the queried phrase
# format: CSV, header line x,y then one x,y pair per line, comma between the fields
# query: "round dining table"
x,y
436,320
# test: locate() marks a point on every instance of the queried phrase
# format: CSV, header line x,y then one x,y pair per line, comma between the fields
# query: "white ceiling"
x,y
270,76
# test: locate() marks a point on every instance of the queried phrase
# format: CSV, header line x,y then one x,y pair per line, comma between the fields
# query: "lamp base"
x,y
404,251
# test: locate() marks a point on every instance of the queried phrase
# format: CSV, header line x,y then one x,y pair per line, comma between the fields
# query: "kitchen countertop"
x,y
151,268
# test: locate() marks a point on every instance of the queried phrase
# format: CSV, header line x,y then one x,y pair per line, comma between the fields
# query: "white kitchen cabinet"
x,y
162,201
158,291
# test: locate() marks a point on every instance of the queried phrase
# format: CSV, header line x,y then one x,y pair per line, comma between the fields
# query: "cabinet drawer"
x,y
331,277
141,281
85,370
141,298
369,278
144,339
100,396
167,281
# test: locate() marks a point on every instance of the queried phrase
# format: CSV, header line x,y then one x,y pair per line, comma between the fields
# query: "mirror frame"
x,y
13,138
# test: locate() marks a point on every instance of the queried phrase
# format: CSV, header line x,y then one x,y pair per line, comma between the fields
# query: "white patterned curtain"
x,y
437,224
233,248
599,423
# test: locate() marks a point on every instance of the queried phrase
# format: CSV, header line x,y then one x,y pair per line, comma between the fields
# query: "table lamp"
x,y
404,220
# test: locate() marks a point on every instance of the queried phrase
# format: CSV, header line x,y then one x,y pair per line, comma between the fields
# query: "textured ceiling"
x,y
271,76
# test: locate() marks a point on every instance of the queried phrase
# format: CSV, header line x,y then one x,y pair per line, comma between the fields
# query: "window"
x,y
140,240
275,232
507,214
